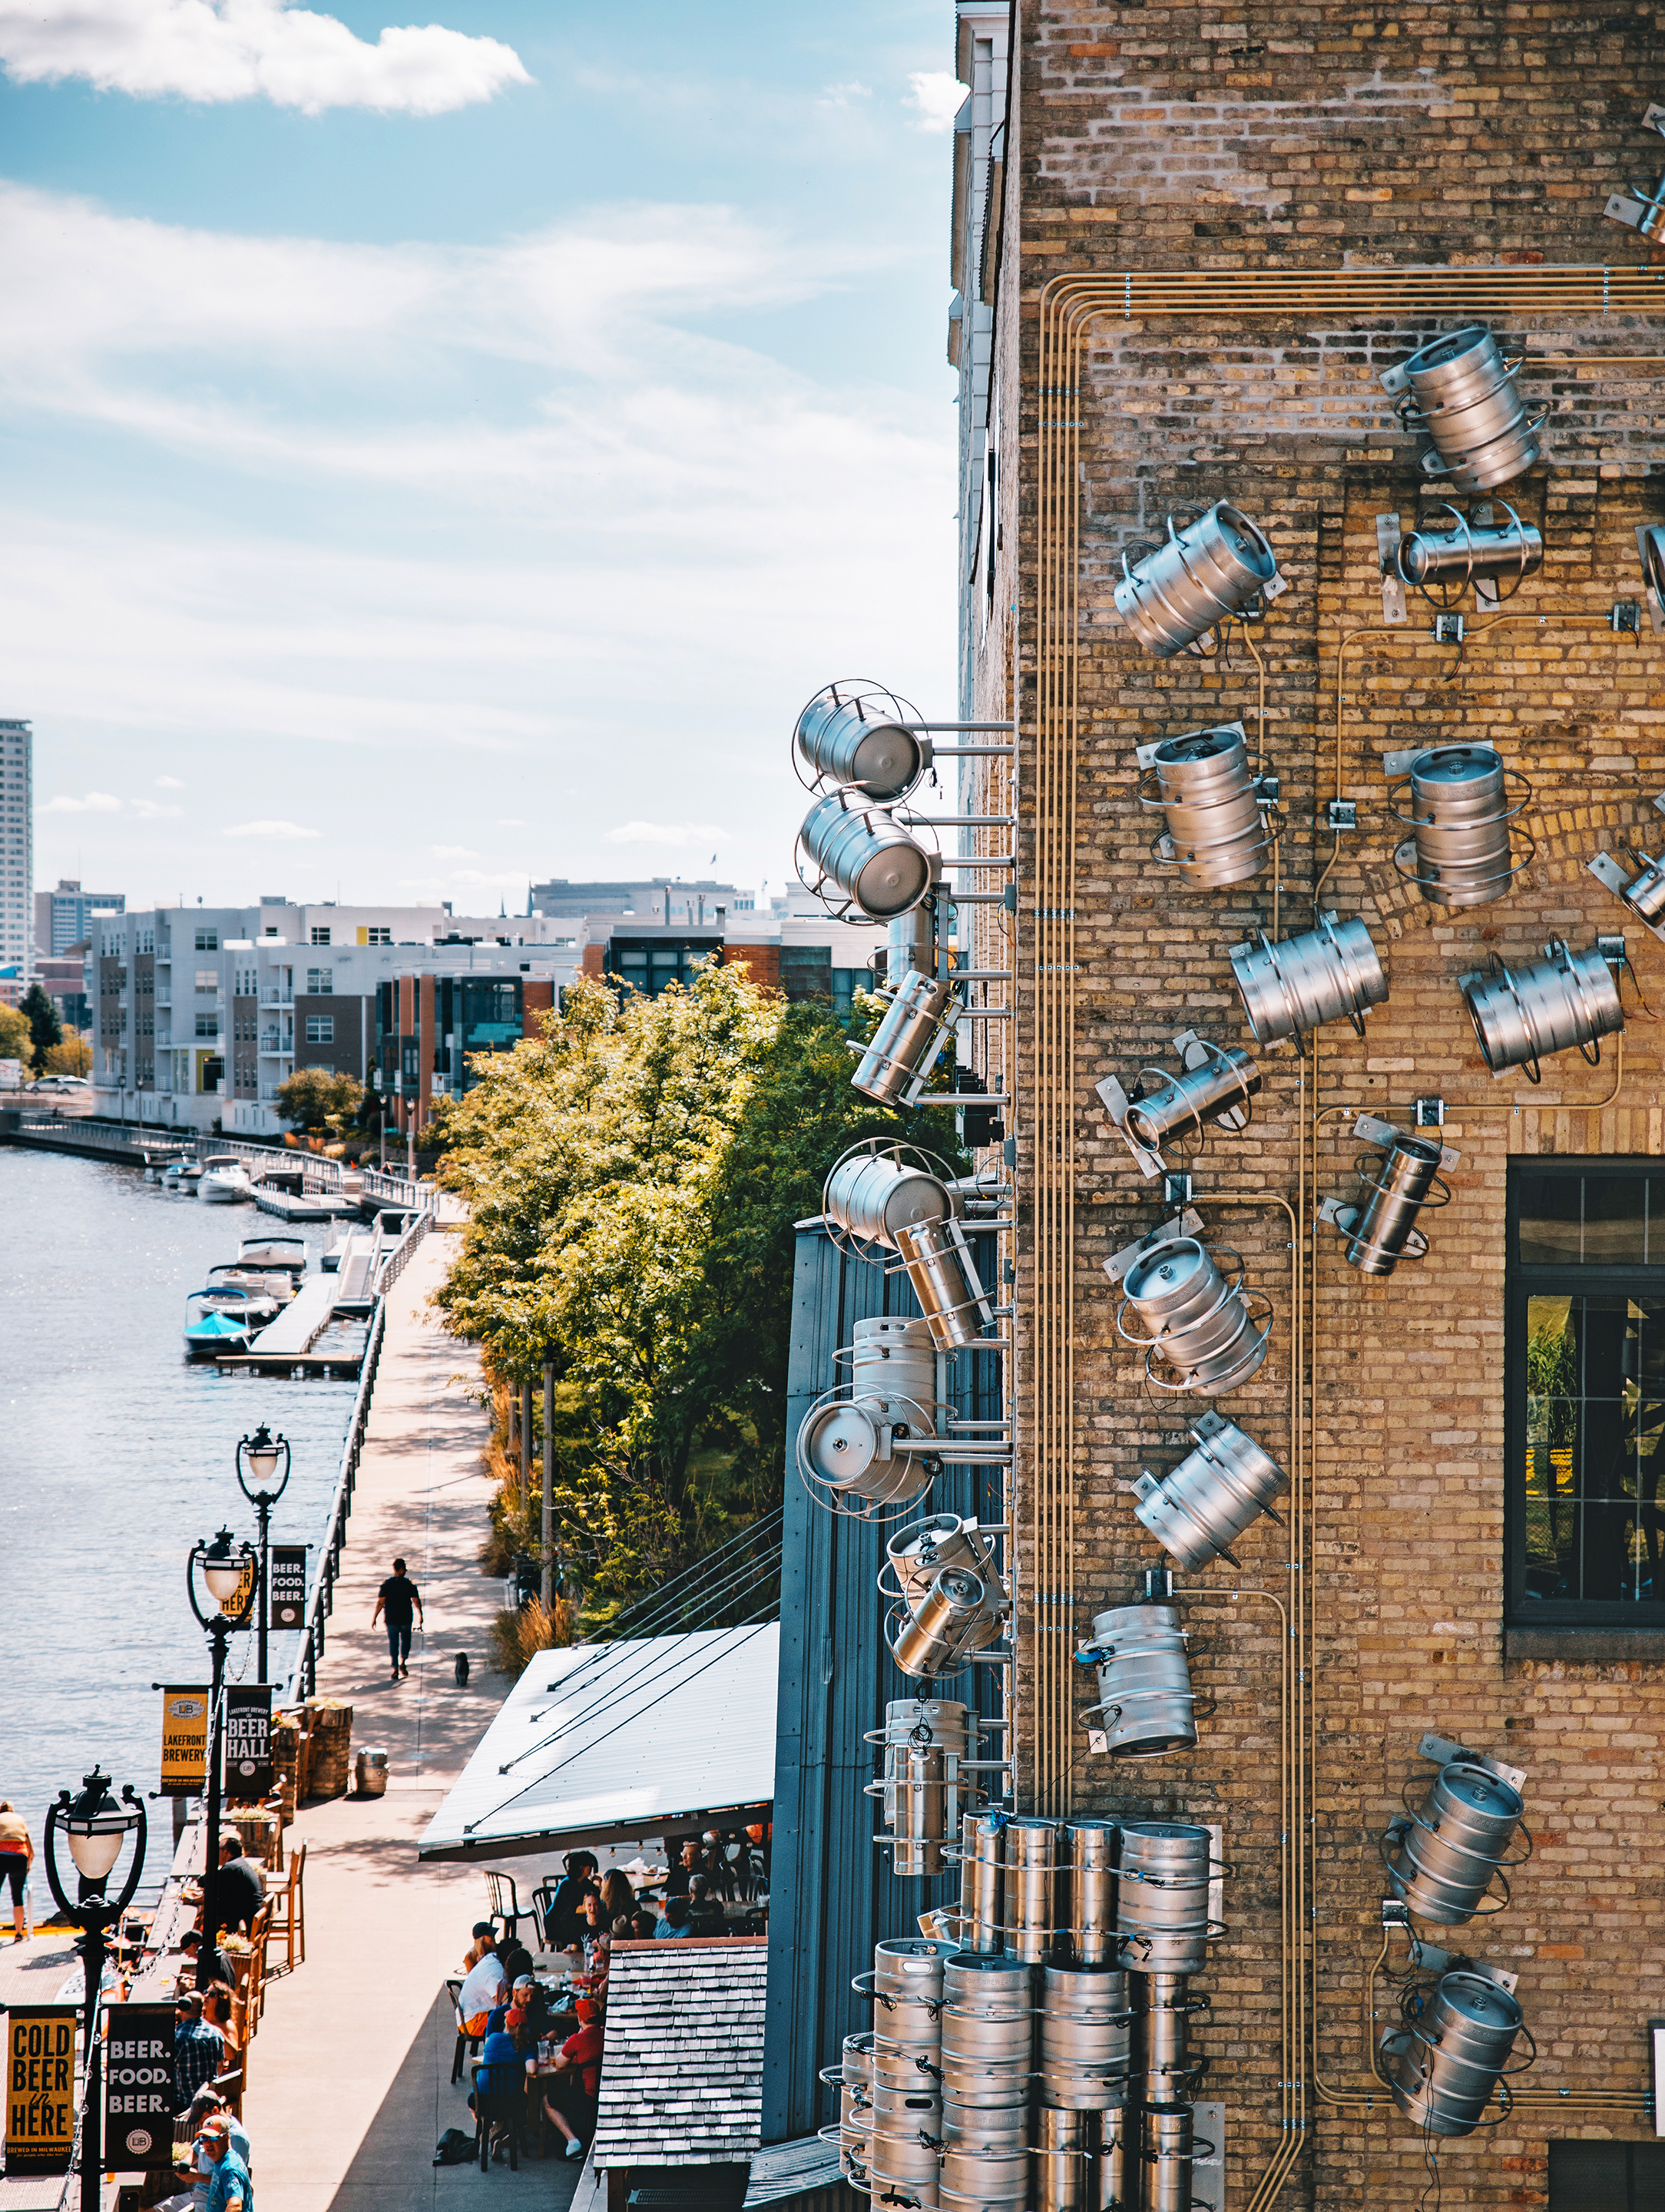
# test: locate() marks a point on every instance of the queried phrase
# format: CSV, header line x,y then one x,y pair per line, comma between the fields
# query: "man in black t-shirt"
x,y
242,1888
399,1598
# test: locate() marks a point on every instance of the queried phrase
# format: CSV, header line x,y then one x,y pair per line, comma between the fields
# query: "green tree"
x,y
634,1176
46,1028
73,1056
318,1103
15,1041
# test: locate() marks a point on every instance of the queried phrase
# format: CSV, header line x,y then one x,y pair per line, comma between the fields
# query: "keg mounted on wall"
x,y
1495,558
1382,1229
1643,208
1146,1708
1201,1330
1217,1083
929,1745
1650,545
1443,1858
1644,894
1220,565
890,1198
1458,392
1327,972
1459,814
1521,1015
867,1445
1199,1508
1454,2049
1220,816
950,1606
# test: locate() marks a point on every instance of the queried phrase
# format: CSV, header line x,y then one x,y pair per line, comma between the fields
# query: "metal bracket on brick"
x,y
1388,537
1442,1750
1383,1134
1186,1224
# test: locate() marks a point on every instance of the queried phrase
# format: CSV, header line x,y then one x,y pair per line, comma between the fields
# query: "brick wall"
x,y
1166,137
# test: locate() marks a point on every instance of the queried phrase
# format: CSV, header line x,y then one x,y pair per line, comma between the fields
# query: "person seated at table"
x,y
674,1919
617,1894
528,2016
485,1987
219,1966
485,1937
684,1865
567,1905
204,2105
242,1886
200,2049
229,2189
644,1925
592,1922
705,1911
218,2010
570,2093
501,2071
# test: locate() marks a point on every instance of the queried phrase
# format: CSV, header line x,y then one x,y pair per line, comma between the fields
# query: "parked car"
x,y
62,1083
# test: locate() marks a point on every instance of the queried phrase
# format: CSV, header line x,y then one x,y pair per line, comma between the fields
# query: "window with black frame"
x,y
1585,1364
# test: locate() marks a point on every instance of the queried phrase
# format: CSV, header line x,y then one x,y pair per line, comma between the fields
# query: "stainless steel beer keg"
x,y
1459,854
1063,2160
1171,1107
984,2181
854,734
1085,2038
1162,1897
1164,2071
987,2030
893,1359
1147,1706
904,2111
1645,894
1086,1870
1318,976
909,1966
1443,1859
1384,1230
874,1195
916,1553
902,2168
1521,1015
1444,2069
1449,560
853,2078
1197,1321
1118,2159
896,1066
924,1739
952,1619
1199,1508
910,941
1215,832
846,1449
865,856
943,1276
1460,392
1212,568
999,2128
987,1934
1031,1861
1168,2152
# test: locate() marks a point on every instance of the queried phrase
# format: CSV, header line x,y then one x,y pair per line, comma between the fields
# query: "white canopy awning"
x,y
603,1741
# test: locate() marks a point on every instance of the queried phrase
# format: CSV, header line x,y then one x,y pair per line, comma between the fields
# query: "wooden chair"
x,y
505,1904
289,1916
259,1935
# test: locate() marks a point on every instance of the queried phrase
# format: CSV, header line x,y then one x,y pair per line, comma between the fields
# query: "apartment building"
x,y
68,916
16,847
661,899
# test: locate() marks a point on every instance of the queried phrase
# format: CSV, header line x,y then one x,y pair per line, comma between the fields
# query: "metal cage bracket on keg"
x,y
1222,818
1523,1016
1458,392
1220,565
1642,207
1475,551
930,1746
1199,1508
1460,853
949,1603
1643,894
1204,1327
1215,1083
1452,2056
1325,972
1443,1857
881,1196
1145,1701
1382,1229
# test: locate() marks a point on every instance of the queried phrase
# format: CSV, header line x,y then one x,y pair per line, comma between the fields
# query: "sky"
x,y
436,457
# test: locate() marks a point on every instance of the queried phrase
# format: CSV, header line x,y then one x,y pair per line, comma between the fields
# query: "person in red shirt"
x,y
570,2099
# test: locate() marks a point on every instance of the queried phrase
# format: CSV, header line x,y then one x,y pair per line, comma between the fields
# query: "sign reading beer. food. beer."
x,y
286,1593
41,2088
184,1740
138,2088
248,1740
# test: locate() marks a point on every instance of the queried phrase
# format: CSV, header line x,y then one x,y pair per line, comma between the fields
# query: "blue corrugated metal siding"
x,y
832,1895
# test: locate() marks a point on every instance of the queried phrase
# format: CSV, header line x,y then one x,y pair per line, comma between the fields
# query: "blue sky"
x,y
432,457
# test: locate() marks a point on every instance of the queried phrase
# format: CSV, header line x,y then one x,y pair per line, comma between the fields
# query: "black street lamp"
x,y
95,1828
261,1455
225,1572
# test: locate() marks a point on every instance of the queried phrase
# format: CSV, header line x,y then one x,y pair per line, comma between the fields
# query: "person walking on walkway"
x,y
399,1598
16,1856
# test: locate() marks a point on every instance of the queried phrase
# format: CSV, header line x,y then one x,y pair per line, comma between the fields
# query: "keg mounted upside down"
x,y
1205,1332
1458,392
1459,853
1221,818
1381,1231
1146,1707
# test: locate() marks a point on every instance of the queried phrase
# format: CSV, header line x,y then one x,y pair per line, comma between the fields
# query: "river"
x,y
116,1455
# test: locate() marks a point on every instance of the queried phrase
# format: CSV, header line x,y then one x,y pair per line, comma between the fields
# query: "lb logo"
x,y
139,2141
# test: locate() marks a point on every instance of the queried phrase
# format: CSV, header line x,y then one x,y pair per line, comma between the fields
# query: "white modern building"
x,y
16,846
70,915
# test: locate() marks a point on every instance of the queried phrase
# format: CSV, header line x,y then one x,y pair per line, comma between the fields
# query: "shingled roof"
x,y
682,2073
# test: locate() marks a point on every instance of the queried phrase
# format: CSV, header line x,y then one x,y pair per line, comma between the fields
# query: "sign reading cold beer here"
x,y
41,2088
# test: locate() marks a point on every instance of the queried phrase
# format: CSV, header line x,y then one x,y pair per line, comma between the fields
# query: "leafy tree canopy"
x,y
46,1028
15,1041
320,1103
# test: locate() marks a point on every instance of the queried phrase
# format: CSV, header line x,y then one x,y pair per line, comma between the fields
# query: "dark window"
x,y
1607,2177
1585,1369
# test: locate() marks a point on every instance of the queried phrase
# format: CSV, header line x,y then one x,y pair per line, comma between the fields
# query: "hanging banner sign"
x,y
41,2088
184,1740
248,1740
287,1597
249,1582
138,2088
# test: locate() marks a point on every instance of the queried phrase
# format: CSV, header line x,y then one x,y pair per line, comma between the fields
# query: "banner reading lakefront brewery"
x,y
248,1740
41,2088
287,1596
138,2088
184,1740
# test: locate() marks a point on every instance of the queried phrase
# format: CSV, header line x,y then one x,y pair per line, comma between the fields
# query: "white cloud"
x,y
95,802
284,829
844,96
221,50
152,810
169,783
453,853
936,97
666,833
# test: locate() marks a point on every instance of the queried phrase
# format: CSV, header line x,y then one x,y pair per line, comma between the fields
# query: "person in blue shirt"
x,y
229,2189
501,2070
675,1921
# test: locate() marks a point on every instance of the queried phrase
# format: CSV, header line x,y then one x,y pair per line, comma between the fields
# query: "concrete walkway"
x,y
349,2085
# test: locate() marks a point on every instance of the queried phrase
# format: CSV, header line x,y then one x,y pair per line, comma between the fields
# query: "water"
x,y
116,1455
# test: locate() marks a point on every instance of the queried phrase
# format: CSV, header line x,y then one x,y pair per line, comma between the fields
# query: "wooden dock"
x,y
300,1323
310,1205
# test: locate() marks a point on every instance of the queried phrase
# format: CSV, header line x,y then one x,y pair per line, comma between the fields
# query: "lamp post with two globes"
x,y
94,1826
224,1572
